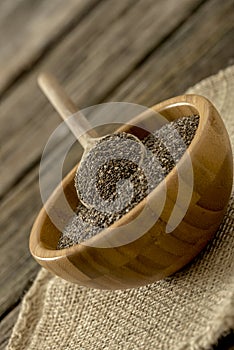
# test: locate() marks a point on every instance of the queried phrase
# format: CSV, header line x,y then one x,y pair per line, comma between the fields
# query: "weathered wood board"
x,y
81,61
136,51
29,28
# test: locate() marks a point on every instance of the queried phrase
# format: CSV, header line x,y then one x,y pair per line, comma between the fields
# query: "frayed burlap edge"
x,y
31,310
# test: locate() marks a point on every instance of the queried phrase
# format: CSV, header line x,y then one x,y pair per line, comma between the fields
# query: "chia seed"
x,y
125,179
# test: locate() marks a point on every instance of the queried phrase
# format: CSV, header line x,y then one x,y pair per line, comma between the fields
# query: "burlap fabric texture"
x,y
189,310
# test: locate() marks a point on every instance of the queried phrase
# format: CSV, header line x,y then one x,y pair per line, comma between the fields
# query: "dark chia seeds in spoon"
x,y
167,145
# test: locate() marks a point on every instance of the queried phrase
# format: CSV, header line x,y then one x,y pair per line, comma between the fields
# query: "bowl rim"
x,y
203,107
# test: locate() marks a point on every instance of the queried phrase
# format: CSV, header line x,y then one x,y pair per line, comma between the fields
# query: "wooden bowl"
x,y
155,254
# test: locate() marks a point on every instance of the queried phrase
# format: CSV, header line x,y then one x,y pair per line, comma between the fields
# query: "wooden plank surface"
x,y
6,326
17,267
110,55
37,120
28,28
198,49
81,61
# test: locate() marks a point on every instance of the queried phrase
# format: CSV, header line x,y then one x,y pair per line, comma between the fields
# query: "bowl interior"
x,y
48,234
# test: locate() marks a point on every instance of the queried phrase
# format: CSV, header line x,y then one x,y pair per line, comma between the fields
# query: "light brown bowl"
x,y
156,254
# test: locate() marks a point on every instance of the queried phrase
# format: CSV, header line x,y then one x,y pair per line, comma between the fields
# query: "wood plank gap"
x,y
138,64
6,326
226,342
9,310
20,177
190,55
34,196
154,49
51,45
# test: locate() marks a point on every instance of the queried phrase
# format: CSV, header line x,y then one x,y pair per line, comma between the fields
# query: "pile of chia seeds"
x,y
165,147
99,180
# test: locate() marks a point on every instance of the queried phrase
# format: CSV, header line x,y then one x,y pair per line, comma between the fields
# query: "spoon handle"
x,y
78,124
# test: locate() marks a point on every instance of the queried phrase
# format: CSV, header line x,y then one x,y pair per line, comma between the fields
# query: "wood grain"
x,y
188,56
6,327
17,268
88,56
13,102
28,28
20,117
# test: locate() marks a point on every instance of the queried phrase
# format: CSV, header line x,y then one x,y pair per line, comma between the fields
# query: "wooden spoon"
x,y
88,138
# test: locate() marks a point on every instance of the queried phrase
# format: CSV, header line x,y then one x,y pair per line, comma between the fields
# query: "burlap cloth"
x,y
189,310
